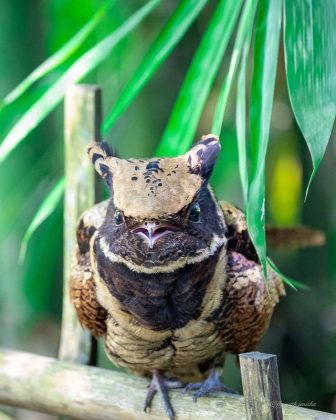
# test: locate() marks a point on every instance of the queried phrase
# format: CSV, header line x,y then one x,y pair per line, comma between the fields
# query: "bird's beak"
x,y
153,231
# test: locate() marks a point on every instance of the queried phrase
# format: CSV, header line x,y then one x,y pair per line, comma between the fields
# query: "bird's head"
x,y
162,214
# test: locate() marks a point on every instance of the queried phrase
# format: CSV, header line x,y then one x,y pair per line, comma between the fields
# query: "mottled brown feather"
x,y
83,296
248,300
247,305
82,286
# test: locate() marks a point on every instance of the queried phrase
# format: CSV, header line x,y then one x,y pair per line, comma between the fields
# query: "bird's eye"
x,y
118,217
195,213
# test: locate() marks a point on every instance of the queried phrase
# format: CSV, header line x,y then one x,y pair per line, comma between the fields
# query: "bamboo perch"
x,y
82,123
48,385
4,416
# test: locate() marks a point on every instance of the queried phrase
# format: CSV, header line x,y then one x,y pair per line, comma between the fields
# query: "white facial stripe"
x,y
202,254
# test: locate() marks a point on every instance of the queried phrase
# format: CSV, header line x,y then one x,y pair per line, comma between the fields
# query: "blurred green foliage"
x,y
303,330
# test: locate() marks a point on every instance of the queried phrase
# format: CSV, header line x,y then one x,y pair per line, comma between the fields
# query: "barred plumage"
x,y
167,275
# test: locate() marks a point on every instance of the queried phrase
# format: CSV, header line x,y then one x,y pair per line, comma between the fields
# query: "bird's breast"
x,y
186,353
162,322
158,301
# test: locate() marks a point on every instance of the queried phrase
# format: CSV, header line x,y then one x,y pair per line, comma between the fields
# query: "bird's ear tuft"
x,y
202,156
101,154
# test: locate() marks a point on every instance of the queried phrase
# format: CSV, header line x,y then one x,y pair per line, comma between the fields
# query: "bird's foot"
x,y
161,384
212,383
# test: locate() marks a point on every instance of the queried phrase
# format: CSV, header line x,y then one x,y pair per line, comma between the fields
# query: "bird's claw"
x,y
161,385
212,383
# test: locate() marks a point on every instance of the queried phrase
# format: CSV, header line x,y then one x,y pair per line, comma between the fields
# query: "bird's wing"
x,y
248,301
238,237
82,287
292,238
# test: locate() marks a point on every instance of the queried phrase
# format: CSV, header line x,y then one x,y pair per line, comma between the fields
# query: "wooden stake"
x,y
82,124
261,387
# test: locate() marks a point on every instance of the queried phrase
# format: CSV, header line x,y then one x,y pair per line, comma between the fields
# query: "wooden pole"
x,y
261,387
52,386
82,124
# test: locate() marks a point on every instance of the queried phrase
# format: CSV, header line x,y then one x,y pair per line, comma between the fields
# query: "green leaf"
x,y
241,121
184,15
48,205
59,57
310,57
244,28
266,45
76,72
294,284
183,122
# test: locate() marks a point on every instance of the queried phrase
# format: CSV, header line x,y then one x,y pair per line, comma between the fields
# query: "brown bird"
x,y
167,275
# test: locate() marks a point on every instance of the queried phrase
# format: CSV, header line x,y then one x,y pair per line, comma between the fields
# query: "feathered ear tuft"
x,y
101,154
202,156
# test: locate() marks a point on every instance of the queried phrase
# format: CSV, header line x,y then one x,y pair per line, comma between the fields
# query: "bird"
x,y
167,275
